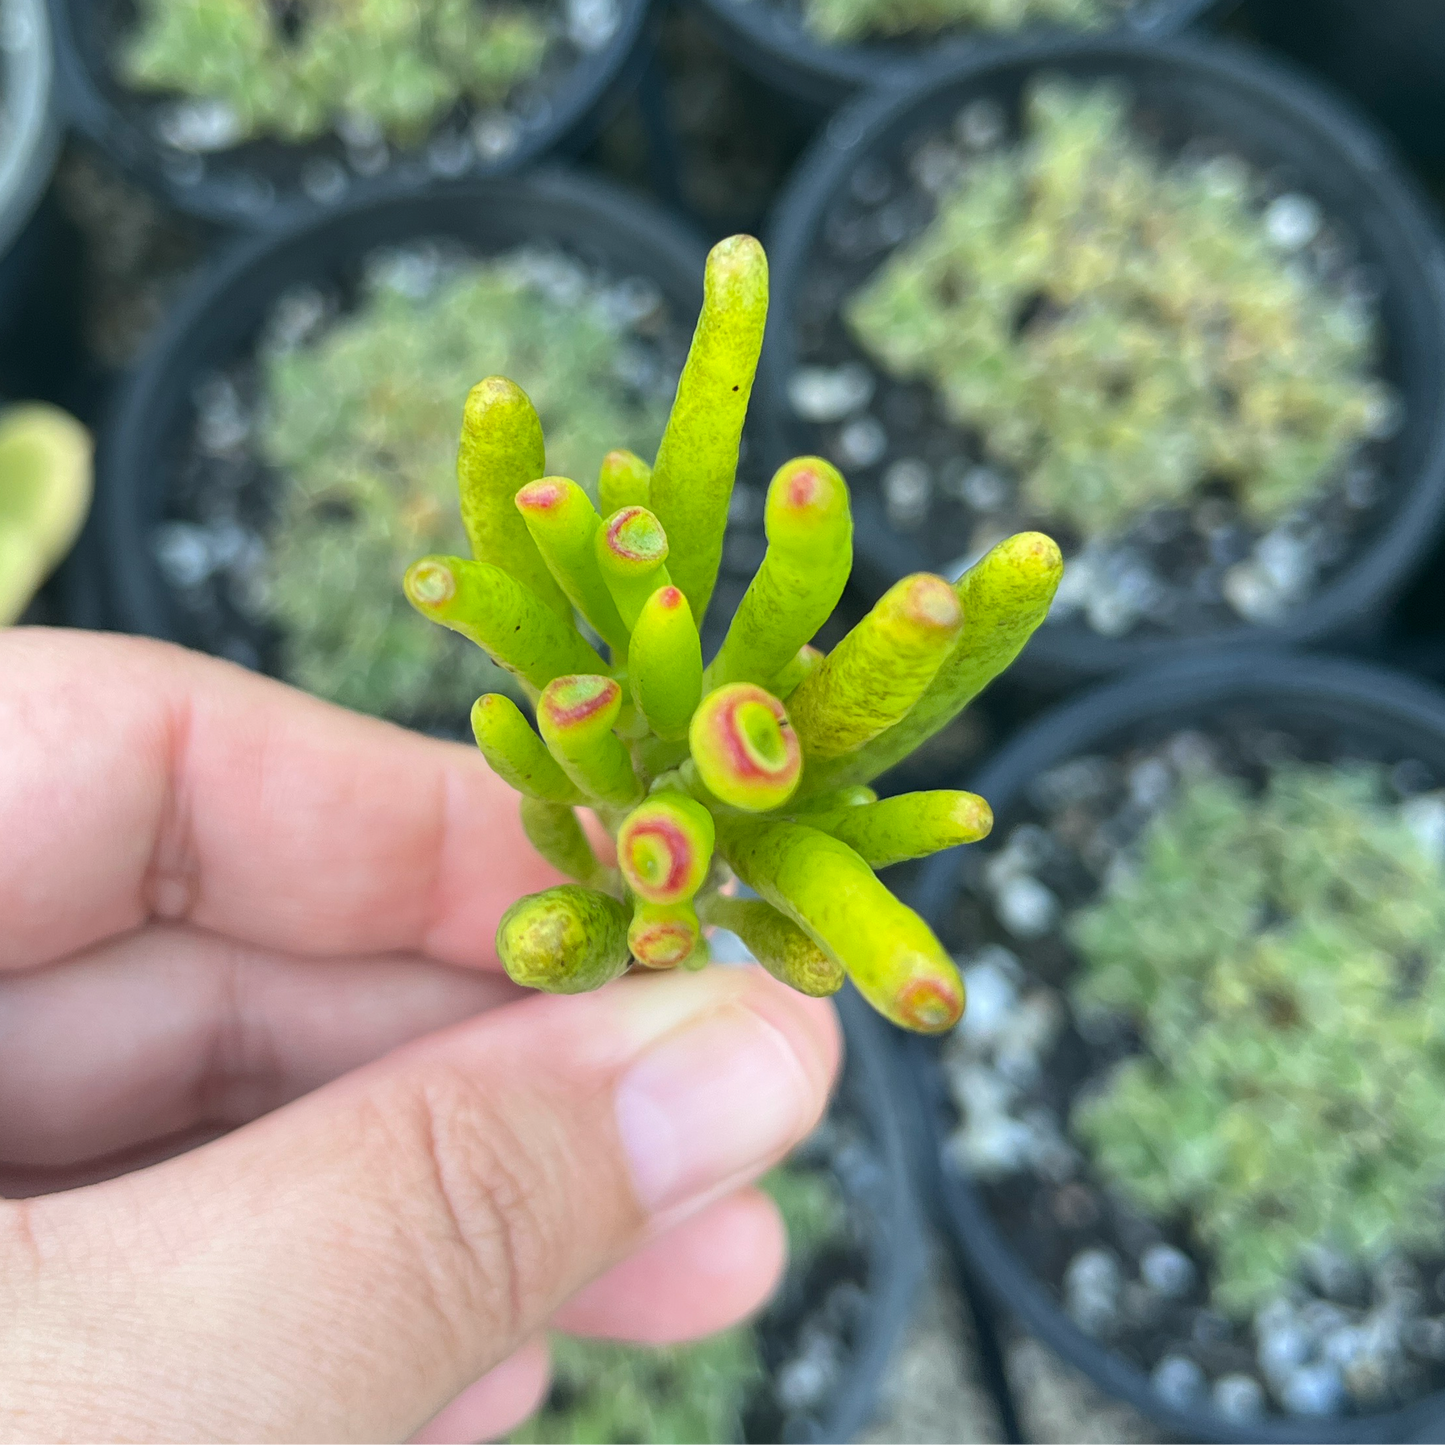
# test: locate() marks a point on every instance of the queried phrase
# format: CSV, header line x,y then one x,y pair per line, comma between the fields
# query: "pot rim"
x,y
31,138
781,51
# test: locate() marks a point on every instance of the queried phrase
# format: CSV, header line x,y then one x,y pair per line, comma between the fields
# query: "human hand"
x,y
325,1173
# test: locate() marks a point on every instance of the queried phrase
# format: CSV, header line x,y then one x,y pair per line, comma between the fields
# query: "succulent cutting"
x,y
755,766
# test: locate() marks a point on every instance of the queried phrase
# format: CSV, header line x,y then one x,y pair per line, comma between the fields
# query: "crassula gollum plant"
x,y
755,766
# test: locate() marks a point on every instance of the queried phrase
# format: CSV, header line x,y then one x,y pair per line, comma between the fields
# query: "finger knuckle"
x,y
485,1231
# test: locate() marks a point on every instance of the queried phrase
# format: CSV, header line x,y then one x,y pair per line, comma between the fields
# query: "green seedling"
x,y
296,72
704,777
1279,954
45,485
1125,332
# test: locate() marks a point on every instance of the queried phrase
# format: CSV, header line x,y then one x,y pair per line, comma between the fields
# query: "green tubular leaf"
x,y
568,939
810,552
45,490
744,749
699,958
665,663
879,670
576,715
553,830
850,797
834,897
663,935
632,549
787,682
623,480
1005,596
777,943
665,847
912,825
564,524
490,607
692,479
516,754
500,451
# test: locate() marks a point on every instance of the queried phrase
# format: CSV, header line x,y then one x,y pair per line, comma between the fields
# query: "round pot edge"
x,y
784,55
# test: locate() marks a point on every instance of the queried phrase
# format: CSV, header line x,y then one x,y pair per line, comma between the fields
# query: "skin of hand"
x,y
283,1156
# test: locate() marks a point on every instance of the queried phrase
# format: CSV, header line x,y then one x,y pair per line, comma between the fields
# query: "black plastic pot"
x,y
1388,54
267,184
1339,709
218,320
1284,126
881,1188
771,40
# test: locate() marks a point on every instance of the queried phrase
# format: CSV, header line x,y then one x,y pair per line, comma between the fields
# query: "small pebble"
x,y
991,998
980,124
871,183
862,443
1178,1381
199,126
935,166
592,23
1313,1390
1426,1338
496,135
1239,1397
824,394
907,491
183,553
1076,1206
324,180
1092,1283
1150,783
1168,1271
1026,907
1292,221
1282,1350
983,489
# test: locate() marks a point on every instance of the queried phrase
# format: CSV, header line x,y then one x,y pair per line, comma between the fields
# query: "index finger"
x,y
139,781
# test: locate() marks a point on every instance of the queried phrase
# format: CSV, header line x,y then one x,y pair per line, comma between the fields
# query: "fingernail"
x,y
709,1103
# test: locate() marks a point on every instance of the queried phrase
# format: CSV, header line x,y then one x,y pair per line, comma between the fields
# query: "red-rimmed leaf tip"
x,y
541,495
430,584
663,935
635,535
664,847
571,702
744,747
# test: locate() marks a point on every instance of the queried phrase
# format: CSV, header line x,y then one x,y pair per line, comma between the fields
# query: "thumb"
x,y
344,1267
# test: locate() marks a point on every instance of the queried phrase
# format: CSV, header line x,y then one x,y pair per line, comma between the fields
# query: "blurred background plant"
x,y
604,1392
45,487
1279,957
1122,331
839,21
297,70
361,426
